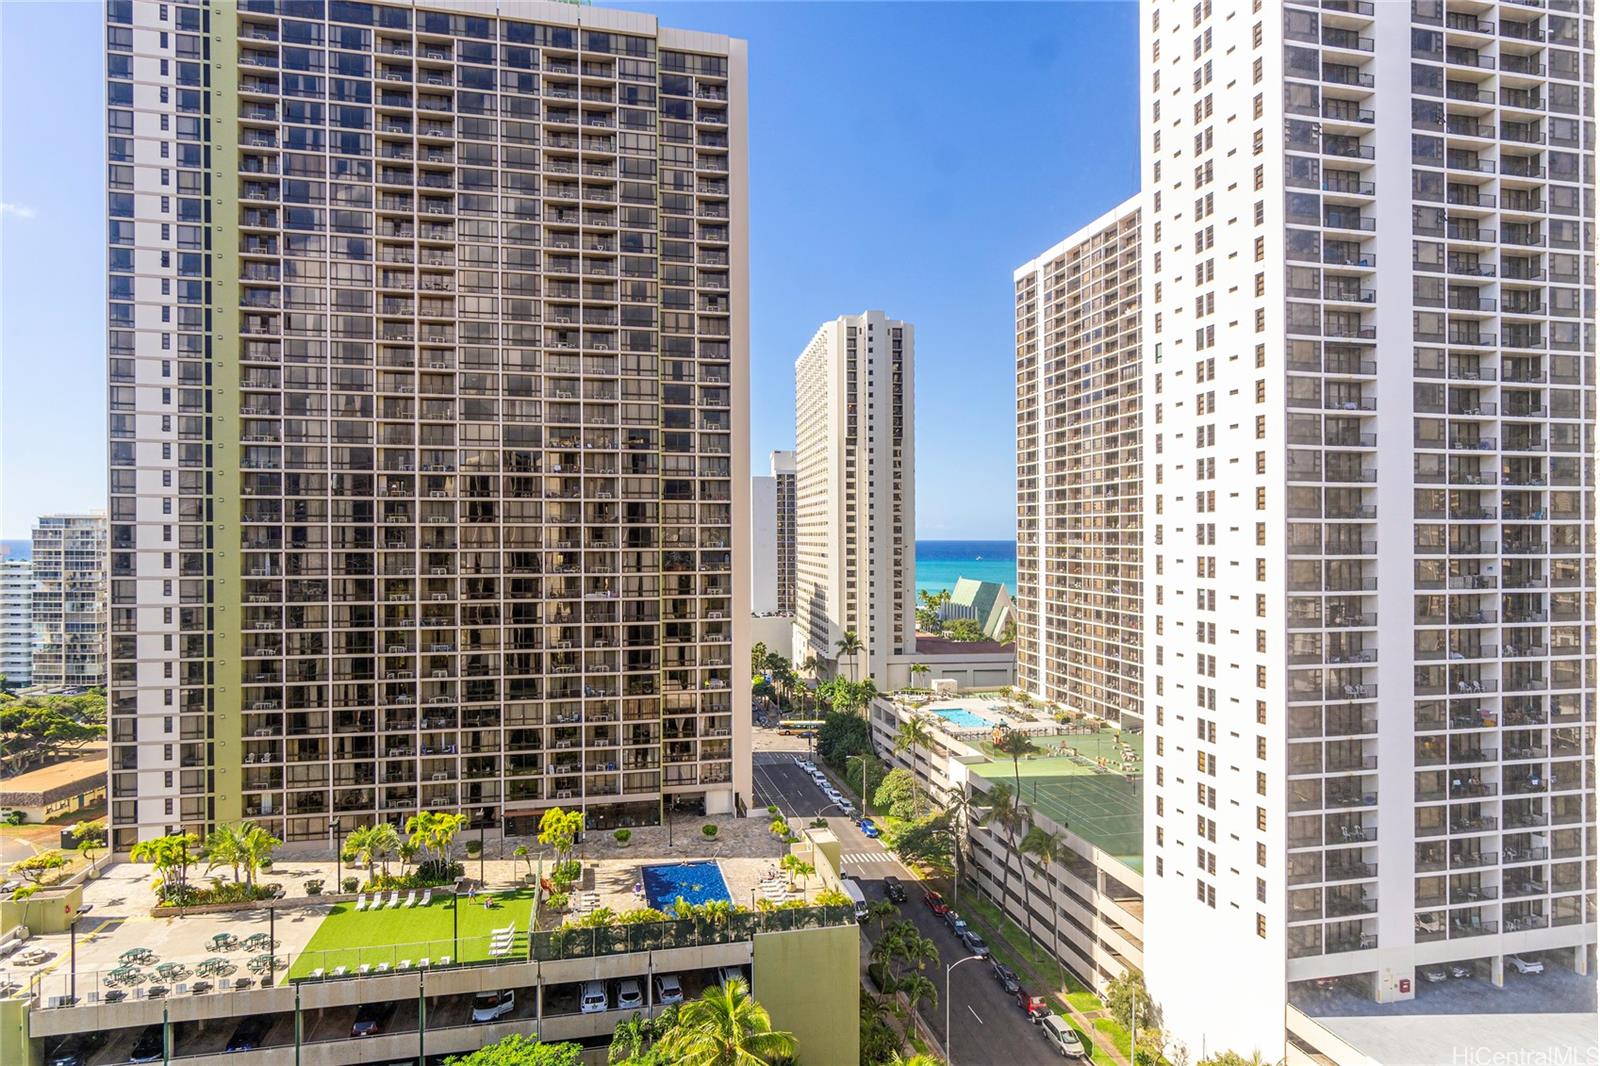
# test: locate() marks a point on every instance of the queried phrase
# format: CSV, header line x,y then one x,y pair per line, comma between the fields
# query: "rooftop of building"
x,y
89,768
979,595
1548,1016
1087,776
930,645
318,933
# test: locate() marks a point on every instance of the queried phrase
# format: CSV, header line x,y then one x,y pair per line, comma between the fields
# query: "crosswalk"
x,y
861,858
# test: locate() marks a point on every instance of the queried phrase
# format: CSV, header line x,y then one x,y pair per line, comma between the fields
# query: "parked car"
x,y
869,827
1434,974
76,1049
1063,1037
731,973
592,998
847,808
669,989
149,1047
487,1006
1033,1006
954,921
371,1019
1524,965
1006,976
1461,969
630,994
248,1034
975,943
893,889
935,902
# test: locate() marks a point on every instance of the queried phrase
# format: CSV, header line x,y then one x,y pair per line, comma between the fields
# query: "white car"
x,y
730,973
630,994
487,1006
1522,965
668,989
592,998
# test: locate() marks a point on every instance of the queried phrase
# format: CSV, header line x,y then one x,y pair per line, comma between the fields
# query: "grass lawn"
x,y
1097,1053
350,939
1117,1033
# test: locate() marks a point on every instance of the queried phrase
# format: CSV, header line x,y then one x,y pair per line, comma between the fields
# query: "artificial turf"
x,y
1104,808
349,939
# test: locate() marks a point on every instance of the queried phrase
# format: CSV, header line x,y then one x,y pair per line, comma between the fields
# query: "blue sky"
x,y
904,156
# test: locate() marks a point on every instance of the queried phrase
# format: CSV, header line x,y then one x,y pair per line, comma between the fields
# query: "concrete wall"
x,y
809,981
978,670
49,911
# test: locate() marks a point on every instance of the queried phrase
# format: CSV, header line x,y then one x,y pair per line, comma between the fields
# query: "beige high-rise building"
x,y
855,495
1079,470
429,396
69,601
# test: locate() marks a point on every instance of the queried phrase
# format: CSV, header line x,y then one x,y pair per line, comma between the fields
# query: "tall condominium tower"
x,y
772,538
428,414
1079,601
1369,524
69,601
855,506
16,622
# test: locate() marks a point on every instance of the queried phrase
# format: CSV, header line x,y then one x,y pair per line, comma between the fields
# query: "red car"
x,y
936,902
1033,1006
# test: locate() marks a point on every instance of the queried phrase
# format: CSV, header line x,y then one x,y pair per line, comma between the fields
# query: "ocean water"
x,y
940,562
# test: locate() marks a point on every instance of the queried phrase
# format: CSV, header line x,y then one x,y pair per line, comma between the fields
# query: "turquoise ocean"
x,y
940,562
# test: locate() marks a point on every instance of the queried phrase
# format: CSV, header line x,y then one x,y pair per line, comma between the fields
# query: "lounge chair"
x,y
383,967
394,900
364,969
404,964
427,898
411,899
361,901
444,960
424,962
317,974
339,971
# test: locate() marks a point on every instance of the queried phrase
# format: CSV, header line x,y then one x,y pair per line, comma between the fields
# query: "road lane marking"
x,y
975,1015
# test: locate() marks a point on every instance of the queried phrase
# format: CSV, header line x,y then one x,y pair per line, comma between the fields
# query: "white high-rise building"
x,y
772,538
428,415
855,505
69,601
1369,681
16,622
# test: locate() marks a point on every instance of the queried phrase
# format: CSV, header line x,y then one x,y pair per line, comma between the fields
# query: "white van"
x,y
858,897
1063,1037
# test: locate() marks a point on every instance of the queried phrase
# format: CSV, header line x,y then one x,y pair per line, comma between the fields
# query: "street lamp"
x,y
949,1038
72,992
481,857
338,853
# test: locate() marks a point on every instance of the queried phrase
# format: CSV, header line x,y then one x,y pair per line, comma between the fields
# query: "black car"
x,y
1006,976
894,890
76,1049
248,1035
149,1047
371,1019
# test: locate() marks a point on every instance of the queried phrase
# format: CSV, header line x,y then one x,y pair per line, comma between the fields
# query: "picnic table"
x,y
216,968
139,956
172,971
223,942
125,975
257,942
262,964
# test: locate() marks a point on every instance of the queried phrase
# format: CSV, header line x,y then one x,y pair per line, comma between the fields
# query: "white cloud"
x,y
17,210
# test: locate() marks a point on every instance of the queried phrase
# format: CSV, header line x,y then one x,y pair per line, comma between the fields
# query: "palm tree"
x,y
1014,821
918,670
882,911
431,833
725,1027
374,844
1016,745
964,811
850,645
256,850
225,846
170,855
915,735
1046,848
918,987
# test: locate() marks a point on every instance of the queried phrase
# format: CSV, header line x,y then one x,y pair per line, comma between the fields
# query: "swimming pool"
x,y
693,882
960,716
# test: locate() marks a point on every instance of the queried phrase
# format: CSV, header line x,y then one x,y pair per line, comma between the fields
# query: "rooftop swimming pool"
x,y
693,882
960,716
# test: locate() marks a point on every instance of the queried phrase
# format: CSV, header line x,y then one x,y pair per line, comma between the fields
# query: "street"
x,y
989,1026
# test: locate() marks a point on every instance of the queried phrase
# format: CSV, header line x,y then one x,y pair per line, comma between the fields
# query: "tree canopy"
x,y
519,1050
39,730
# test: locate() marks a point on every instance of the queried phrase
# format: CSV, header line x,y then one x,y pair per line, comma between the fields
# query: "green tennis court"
x,y
1103,806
